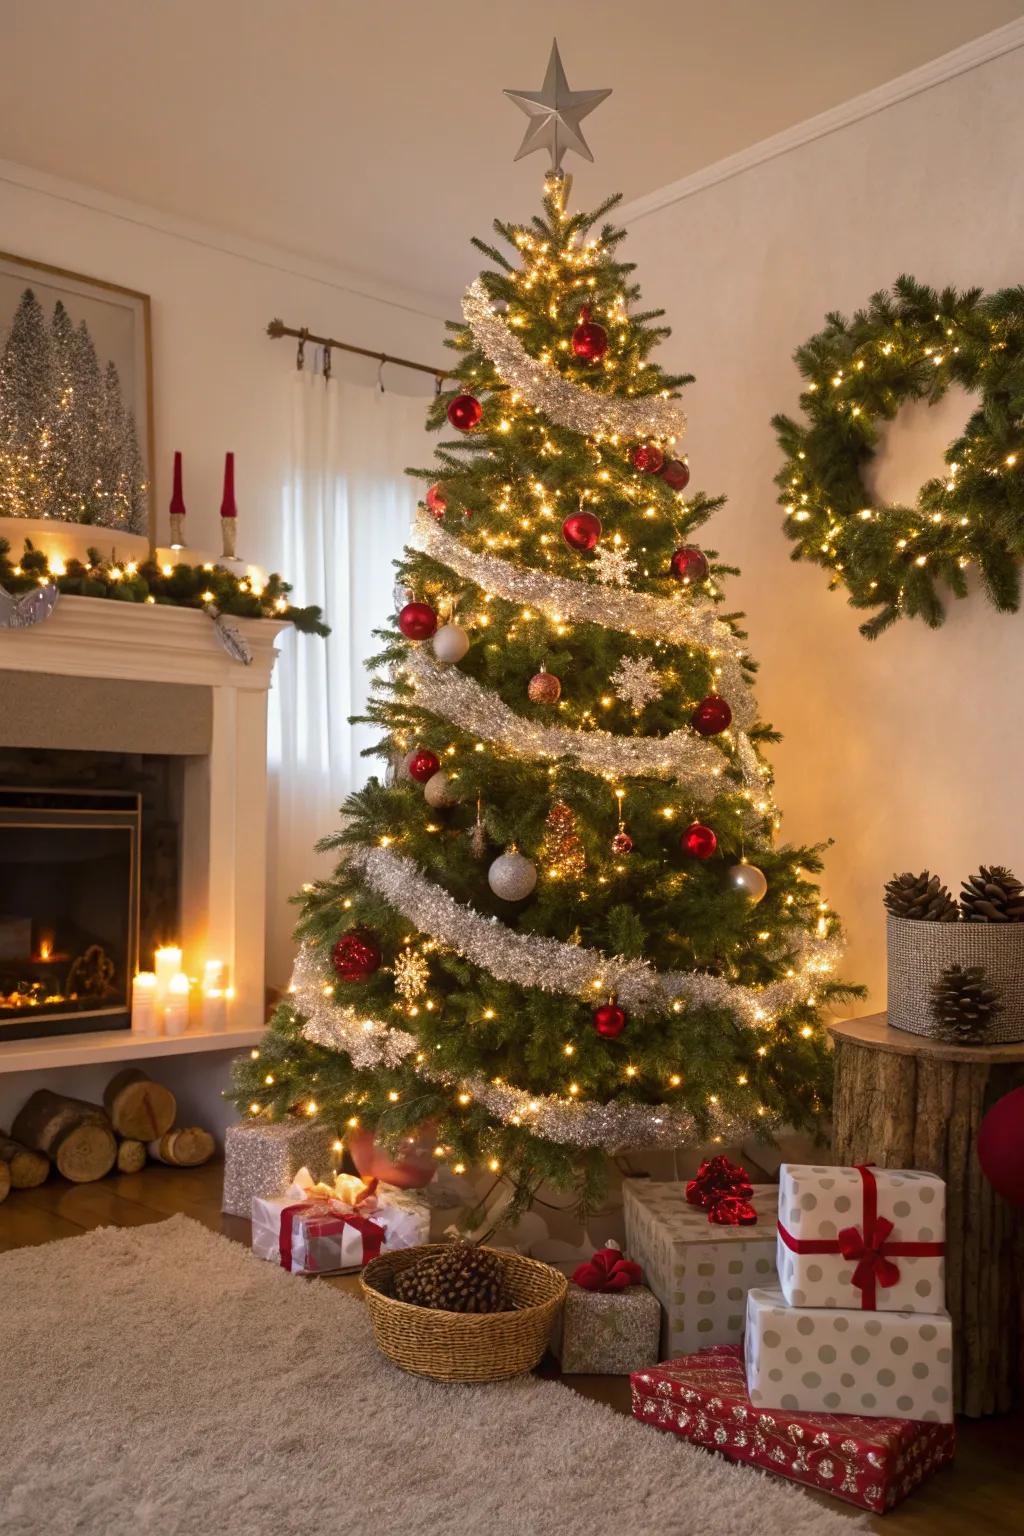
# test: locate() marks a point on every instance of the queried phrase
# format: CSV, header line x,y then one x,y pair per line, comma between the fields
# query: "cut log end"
x,y
139,1109
185,1147
76,1135
131,1156
5,1181
86,1153
27,1168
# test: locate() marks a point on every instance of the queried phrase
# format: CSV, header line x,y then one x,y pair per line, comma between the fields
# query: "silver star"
x,y
555,114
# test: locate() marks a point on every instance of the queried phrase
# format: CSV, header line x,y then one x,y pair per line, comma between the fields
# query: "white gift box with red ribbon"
x,y
316,1229
865,1237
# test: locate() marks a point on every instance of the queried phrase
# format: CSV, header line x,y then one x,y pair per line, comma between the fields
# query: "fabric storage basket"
x,y
919,952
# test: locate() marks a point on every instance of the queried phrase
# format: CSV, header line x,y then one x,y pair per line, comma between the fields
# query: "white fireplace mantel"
x,y
144,656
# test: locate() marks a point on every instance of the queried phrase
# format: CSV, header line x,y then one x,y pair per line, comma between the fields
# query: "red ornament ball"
x,y
648,458
417,621
1001,1146
581,530
411,1166
622,843
676,475
544,688
711,716
423,764
356,956
589,340
437,502
690,565
610,1020
465,412
699,841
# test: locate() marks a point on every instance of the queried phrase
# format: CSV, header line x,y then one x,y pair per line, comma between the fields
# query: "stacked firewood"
x,y
85,1141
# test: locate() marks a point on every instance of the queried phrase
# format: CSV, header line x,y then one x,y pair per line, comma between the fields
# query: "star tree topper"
x,y
555,114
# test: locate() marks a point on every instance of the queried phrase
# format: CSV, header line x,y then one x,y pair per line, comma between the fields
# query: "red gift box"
x,y
871,1462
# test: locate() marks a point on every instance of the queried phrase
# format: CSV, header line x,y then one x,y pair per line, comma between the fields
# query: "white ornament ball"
x,y
450,644
512,877
749,881
437,791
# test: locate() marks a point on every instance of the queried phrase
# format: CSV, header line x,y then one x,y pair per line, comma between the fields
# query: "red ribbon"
x,y
723,1189
867,1245
321,1221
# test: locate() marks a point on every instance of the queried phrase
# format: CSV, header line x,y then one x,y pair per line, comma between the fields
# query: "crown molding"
x,y
981,50
277,258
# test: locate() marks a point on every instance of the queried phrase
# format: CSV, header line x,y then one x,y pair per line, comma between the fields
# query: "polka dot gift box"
x,y
699,1271
878,1364
863,1237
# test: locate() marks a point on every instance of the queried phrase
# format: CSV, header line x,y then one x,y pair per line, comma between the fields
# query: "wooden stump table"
x,y
907,1101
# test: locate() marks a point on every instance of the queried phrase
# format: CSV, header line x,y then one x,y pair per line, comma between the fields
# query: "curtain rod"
x,y
277,328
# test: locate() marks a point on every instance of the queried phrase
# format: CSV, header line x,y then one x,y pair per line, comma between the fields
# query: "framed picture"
x,y
76,398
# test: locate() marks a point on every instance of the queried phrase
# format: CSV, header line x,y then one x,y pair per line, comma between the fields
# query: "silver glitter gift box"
x,y
700,1272
262,1159
608,1333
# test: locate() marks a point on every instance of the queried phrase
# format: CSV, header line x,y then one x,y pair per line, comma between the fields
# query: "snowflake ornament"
x,y
613,566
636,682
411,975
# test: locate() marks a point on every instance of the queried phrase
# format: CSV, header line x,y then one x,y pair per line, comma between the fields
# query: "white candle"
x,y
176,1006
167,966
213,974
215,1009
145,1019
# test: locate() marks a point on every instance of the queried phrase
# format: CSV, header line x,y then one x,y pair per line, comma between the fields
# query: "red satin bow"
x,y
723,1189
873,1266
608,1271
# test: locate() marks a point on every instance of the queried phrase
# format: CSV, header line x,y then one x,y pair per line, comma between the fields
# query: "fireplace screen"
x,y
69,903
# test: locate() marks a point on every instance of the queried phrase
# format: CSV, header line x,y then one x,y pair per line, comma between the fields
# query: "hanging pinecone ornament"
x,y
963,1005
921,897
461,1278
993,895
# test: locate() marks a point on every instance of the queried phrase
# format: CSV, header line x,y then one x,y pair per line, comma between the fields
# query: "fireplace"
x,y
69,909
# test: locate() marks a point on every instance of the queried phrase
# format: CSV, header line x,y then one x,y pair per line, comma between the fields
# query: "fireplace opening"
x,y
69,909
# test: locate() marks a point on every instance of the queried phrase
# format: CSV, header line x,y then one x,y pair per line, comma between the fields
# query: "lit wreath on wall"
x,y
910,345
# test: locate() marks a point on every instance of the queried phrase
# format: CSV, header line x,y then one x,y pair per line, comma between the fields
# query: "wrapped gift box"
x,y
312,1234
608,1333
829,1216
263,1158
878,1364
699,1272
871,1462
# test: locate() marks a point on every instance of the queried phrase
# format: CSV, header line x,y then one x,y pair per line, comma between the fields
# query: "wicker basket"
x,y
919,952
464,1346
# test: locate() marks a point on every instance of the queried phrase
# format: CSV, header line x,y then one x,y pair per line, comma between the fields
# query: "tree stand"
x,y
907,1101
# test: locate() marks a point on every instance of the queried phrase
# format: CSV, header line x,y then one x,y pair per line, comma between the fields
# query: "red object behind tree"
x,y
1001,1146
411,1166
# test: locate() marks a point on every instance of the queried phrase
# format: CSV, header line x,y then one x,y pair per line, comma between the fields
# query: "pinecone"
x,y
462,1278
412,1284
921,897
993,895
962,1006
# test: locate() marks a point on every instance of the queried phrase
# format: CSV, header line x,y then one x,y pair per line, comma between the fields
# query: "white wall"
x,y
906,750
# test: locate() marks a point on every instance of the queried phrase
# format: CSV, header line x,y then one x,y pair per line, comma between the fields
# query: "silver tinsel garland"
x,y
531,960
559,398
613,1126
682,756
682,621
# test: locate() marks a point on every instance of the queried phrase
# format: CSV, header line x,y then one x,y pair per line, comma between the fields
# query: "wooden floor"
x,y
982,1492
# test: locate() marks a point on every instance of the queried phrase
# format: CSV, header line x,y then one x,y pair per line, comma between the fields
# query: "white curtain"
x,y
346,508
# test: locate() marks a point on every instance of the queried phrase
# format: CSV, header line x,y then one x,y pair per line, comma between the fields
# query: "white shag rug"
x,y
160,1381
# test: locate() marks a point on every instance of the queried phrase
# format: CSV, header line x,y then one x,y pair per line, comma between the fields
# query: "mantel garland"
x,y
912,344
203,587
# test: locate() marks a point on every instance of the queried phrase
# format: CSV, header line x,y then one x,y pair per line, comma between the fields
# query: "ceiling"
x,y
375,136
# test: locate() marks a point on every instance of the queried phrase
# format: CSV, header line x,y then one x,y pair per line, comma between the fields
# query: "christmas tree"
x,y
563,927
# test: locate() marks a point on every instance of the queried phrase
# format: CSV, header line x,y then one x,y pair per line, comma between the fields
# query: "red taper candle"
x,y
177,508
228,509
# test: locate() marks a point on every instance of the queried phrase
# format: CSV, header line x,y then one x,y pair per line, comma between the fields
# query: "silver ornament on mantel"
x,y
437,791
512,876
749,881
450,643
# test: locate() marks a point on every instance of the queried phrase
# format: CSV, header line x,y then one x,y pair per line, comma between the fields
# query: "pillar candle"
x,y
213,974
176,1005
167,964
215,1009
145,1019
